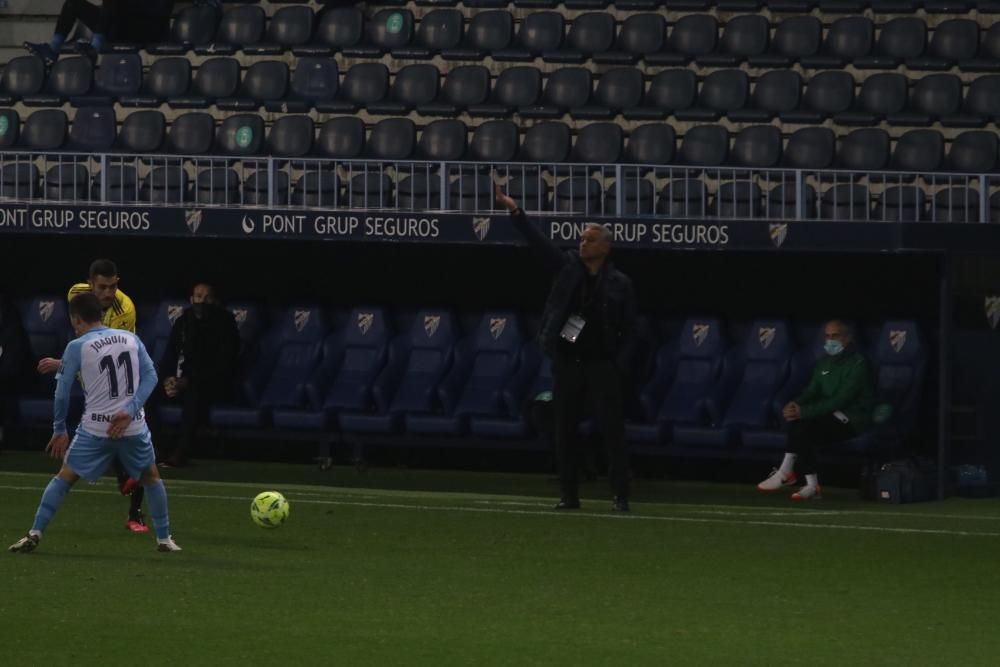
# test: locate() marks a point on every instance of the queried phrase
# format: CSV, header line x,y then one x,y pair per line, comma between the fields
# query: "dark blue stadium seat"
x,y
848,39
352,357
743,37
216,78
315,80
240,27
900,39
119,75
565,89
168,78
640,35
540,32
899,363
488,32
194,26
670,91
684,371
155,331
68,79
742,400
417,363
516,87
279,375
23,76
43,130
46,323
339,28
464,87
795,38
412,86
264,84
692,36
365,83
954,41
532,377
342,138
439,30
482,368
775,92
290,27
590,34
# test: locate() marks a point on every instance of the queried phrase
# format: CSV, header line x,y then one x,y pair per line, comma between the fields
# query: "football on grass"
x,y
269,509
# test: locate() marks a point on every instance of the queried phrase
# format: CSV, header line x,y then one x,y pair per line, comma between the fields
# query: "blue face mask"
x,y
833,347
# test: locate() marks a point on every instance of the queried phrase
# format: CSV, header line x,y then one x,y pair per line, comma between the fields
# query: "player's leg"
x,y
86,457
129,486
137,455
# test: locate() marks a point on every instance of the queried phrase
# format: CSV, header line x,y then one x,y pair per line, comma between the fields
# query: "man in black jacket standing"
x,y
199,364
588,329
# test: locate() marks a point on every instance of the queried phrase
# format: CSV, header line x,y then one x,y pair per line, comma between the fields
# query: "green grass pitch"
x,y
397,567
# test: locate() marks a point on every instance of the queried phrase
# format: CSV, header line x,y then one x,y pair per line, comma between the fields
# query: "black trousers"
x,y
600,383
118,20
196,400
807,436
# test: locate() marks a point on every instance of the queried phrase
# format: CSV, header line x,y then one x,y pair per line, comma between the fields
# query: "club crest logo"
x,y
897,339
766,336
993,311
481,227
365,321
431,324
301,319
174,311
778,232
45,309
497,325
240,315
192,218
700,332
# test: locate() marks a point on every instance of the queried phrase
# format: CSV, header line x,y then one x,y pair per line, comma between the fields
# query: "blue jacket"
x,y
616,296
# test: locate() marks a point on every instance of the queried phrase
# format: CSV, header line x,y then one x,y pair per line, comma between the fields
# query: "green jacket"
x,y
840,383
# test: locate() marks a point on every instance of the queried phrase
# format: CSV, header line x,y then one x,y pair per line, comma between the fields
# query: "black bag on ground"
x,y
905,481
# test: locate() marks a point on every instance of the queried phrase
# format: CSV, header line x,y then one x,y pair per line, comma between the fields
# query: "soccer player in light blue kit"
x,y
113,424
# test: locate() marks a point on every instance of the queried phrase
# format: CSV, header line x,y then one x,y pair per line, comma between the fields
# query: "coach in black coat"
x,y
589,330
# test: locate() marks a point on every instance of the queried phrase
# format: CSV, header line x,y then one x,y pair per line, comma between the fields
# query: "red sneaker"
x,y
128,486
137,526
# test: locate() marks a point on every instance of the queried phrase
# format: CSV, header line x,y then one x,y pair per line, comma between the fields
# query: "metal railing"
x,y
593,190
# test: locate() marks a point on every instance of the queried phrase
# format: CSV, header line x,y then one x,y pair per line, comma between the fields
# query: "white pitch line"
x,y
610,517
358,492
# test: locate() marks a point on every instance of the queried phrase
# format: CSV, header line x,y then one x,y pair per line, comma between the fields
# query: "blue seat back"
x,y
361,346
900,361
296,343
701,349
430,344
766,356
495,349
46,323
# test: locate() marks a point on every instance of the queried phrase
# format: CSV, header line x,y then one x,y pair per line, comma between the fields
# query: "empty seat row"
x,y
195,133
317,83
547,34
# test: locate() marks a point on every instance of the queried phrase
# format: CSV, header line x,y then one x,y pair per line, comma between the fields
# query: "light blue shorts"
x,y
90,456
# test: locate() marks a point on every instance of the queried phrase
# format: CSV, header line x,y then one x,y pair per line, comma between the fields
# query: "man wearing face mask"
x,y
835,406
199,364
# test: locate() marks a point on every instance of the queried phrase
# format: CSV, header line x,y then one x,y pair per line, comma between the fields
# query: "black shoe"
x,y
620,505
567,505
43,51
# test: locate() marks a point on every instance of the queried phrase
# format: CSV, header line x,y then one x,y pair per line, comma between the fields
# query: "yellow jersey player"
x,y
118,312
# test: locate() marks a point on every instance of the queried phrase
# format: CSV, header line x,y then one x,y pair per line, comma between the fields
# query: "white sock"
x,y
36,533
787,465
812,480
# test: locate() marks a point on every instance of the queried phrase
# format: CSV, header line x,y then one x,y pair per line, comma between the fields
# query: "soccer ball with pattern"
x,y
269,509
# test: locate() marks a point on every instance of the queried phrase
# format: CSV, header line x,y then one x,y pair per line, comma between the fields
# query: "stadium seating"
x,y
417,363
46,323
